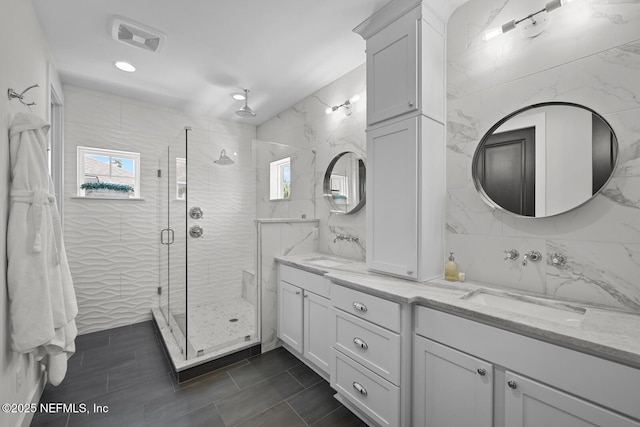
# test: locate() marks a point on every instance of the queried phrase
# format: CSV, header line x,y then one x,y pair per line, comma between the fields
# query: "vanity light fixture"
x,y
533,24
124,66
348,106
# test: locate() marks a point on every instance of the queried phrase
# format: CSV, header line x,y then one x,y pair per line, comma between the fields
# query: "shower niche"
x,y
208,306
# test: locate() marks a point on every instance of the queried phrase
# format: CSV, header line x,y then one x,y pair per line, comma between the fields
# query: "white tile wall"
x,y
113,245
590,55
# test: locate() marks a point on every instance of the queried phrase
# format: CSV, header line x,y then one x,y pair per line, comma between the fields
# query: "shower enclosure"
x,y
208,298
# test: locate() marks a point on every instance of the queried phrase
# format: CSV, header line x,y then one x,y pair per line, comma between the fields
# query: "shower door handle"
x,y
170,236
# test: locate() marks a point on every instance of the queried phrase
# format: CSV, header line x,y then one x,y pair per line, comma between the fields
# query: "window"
x,y
111,166
181,178
280,179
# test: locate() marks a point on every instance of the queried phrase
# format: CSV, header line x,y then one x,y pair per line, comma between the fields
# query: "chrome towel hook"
x,y
20,96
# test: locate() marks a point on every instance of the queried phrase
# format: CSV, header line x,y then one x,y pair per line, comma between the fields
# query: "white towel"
x,y
42,300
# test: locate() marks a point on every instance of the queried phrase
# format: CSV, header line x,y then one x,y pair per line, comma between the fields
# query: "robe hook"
x,y
20,96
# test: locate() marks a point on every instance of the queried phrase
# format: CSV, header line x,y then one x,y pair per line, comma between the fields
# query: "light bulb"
x,y
494,32
354,99
328,110
125,66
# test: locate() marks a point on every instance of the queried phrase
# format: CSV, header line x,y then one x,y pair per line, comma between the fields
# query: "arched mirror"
x,y
545,159
344,183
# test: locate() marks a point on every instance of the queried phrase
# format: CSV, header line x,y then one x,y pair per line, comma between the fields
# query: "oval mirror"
x,y
545,159
344,183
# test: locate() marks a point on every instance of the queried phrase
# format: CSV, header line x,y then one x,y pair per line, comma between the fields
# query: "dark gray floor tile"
x,y
74,361
305,375
249,402
263,366
134,339
106,359
76,388
341,417
279,415
42,419
203,417
314,403
92,341
137,373
197,394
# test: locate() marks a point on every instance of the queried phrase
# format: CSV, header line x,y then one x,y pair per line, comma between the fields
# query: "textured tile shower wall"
x,y
306,127
590,54
113,245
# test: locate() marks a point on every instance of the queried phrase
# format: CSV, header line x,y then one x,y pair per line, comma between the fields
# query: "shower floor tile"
x,y
216,325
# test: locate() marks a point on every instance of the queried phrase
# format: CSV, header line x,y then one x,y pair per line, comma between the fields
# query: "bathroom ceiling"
x,y
282,50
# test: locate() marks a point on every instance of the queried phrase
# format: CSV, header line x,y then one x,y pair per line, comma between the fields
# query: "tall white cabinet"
x,y
405,140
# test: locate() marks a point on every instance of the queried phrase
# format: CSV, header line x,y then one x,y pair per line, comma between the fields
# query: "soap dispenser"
x,y
451,269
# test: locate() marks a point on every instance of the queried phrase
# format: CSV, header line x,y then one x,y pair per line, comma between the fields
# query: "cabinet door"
x,y
290,315
531,404
451,389
392,70
392,198
316,332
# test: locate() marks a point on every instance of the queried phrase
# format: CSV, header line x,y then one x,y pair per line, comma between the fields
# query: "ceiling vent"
x,y
138,35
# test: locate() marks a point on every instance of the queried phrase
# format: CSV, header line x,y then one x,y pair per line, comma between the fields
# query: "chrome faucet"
x,y
347,237
531,256
511,255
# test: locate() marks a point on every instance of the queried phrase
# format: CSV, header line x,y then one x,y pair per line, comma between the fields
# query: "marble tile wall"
x,y
113,245
590,55
276,238
305,129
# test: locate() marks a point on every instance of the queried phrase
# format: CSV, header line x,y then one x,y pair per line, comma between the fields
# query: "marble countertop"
x,y
604,332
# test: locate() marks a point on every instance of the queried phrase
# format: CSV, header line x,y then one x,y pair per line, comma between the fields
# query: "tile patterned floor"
x,y
211,328
126,370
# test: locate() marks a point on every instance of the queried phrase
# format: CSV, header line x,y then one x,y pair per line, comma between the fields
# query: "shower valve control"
x,y
196,231
196,212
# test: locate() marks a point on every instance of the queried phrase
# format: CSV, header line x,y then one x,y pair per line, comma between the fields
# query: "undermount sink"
x,y
323,261
564,314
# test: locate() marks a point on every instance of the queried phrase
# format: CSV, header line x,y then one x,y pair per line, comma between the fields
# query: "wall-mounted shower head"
x,y
245,110
224,159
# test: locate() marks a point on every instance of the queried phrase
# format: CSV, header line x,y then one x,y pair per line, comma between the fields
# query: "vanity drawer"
x,y
374,347
375,396
311,282
373,309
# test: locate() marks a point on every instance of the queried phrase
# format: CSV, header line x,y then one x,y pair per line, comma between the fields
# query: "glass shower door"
x,y
173,280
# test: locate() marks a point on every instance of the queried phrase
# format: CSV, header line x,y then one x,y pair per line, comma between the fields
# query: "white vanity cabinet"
x,y
531,403
451,388
405,142
392,70
466,369
371,356
405,198
303,313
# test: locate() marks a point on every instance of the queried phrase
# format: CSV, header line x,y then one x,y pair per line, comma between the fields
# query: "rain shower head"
x,y
224,159
245,110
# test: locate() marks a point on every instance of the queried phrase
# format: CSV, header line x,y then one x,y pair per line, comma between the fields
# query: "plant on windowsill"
x,y
107,189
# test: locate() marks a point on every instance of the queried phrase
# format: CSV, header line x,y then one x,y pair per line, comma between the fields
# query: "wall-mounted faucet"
x,y
347,237
511,255
531,256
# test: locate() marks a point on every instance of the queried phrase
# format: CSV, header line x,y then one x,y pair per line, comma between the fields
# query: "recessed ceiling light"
x,y
238,96
125,66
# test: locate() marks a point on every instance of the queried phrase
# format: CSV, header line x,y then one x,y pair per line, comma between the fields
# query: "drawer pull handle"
x,y
482,372
360,343
512,384
297,292
359,388
359,306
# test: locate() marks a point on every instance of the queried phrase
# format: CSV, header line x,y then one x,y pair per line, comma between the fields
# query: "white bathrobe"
x,y
42,300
